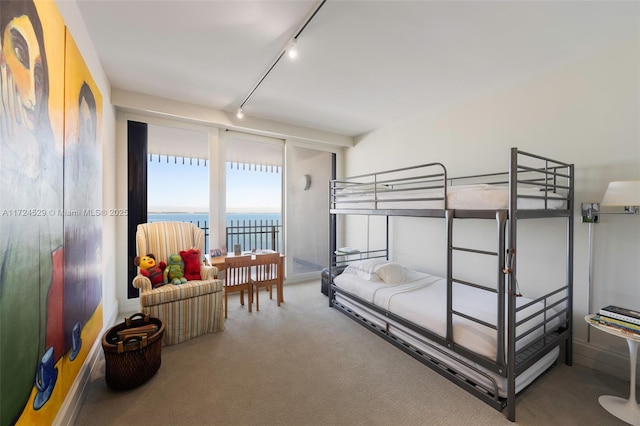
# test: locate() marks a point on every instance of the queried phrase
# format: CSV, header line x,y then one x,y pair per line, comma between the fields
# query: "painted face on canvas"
x,y
22,55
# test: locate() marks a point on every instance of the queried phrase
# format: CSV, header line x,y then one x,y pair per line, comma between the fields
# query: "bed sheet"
x,y
422,300
368,289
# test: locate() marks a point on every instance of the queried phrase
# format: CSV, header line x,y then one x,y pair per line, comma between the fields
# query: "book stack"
x,y
144,331
622,319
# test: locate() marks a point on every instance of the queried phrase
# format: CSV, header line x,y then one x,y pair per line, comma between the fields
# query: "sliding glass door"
x,y
308,172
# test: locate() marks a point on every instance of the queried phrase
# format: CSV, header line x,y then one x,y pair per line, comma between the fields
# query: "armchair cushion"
x,y
172,292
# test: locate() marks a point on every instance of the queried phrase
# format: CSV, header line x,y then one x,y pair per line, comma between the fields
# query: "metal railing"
x,y
254,234
250,234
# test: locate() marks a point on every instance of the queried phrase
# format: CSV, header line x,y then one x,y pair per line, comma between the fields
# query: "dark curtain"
x,y
137,193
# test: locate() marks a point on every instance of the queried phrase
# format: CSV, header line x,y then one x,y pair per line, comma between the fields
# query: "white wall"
x,y
586,113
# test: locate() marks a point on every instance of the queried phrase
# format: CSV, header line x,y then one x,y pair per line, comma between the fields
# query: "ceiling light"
x,y
240,113
291,50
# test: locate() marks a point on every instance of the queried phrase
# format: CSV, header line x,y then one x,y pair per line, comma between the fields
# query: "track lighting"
x,y
292,52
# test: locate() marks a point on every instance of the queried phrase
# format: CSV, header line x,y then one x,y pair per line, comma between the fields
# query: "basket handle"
x,y
139,315
128,343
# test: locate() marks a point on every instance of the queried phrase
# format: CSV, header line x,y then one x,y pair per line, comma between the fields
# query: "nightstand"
x,y
624,409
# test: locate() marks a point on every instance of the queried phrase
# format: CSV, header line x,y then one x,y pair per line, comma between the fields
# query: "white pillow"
x,y
365,269
390,272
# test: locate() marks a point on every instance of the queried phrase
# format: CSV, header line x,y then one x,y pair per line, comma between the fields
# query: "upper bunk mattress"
x,y
461,197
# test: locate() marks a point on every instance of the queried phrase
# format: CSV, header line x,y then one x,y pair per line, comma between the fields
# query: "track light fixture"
x,y
291,51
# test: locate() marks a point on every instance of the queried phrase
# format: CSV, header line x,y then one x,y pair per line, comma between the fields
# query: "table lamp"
x,y
623,194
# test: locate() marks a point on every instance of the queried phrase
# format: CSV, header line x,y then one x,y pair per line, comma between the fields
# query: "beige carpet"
x,y
307,364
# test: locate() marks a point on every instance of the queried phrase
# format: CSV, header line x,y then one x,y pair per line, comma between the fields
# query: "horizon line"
x,y
206,212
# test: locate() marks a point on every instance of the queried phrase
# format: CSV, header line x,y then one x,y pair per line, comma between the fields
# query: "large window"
x,y
178,176
240,190
253,193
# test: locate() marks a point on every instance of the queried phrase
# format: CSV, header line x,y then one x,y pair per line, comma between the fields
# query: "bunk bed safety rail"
x,y
410,182
552,178
339,260
555,316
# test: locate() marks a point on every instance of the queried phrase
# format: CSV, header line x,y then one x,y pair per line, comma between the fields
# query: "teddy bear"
x,y
150,269
174,272
191,259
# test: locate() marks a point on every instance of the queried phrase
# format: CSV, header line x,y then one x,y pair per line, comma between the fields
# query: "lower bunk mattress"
x,y
421,299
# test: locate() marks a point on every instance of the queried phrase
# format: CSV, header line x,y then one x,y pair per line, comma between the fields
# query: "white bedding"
x,y
463,197
460,364
421,299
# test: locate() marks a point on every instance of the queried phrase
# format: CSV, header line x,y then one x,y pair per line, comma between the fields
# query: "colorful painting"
x,y
83,212
47,320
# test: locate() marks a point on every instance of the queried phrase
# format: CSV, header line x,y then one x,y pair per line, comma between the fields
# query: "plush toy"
x,y
174,272
150,269
191,259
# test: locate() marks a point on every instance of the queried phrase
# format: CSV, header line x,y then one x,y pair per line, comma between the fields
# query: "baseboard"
x,y
601,358
71,405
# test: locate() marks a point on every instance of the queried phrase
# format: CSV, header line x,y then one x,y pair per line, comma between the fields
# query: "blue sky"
x,y
185,188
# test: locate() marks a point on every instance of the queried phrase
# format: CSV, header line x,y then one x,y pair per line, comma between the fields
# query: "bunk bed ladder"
x,y
449,214
501,270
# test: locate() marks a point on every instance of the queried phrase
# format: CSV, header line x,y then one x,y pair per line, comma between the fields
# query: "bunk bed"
x,y
486,338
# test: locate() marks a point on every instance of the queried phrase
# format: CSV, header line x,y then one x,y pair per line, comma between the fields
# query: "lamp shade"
x,y
622,193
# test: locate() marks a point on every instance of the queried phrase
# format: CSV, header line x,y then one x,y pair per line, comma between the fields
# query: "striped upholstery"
x,y
187,310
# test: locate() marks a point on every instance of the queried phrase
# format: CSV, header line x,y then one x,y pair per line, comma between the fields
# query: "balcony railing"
x,y
254,234
250,234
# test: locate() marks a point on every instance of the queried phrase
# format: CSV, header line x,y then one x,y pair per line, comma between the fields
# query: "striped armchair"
x,y
187,310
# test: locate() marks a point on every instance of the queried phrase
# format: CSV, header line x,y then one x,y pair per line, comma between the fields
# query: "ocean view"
x,y
237,218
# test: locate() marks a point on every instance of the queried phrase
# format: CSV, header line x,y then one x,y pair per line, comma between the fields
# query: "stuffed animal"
x,y
174,272
150,269
191,259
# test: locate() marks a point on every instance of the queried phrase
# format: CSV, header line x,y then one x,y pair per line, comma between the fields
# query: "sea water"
x,y
237,218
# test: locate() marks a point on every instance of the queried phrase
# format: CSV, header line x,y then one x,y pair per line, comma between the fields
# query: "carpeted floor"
x,y
306,364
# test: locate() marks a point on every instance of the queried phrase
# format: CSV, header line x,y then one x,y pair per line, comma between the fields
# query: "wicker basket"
x,y
131,361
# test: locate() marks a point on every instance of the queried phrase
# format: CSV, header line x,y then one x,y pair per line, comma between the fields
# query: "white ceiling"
x,y
362,64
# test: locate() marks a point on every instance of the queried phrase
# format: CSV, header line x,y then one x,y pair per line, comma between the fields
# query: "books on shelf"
x,y
619,313
623,326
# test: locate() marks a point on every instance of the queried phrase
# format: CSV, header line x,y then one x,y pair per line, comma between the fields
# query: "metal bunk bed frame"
x,y
558,304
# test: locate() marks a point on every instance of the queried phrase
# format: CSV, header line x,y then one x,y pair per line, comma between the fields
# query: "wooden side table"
x,y
624,409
